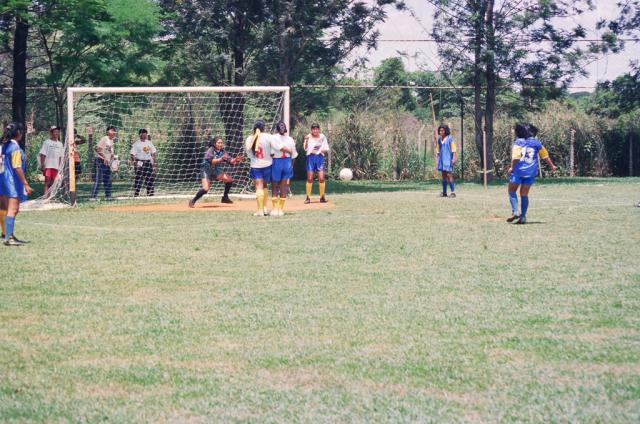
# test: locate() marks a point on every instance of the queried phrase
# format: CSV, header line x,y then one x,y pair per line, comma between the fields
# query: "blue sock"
x,y
444,186
513,199
9,223
452,186
525,205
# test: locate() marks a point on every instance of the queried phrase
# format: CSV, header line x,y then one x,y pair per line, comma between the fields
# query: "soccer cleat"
x,y
226,200
258,213
513,218
274,212
522,220
307,200
452,195
18,240
192,204
323,200
443,195
12,241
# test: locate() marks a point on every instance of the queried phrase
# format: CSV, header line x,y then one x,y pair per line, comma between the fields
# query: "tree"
x,y
94,42
507,41
391,72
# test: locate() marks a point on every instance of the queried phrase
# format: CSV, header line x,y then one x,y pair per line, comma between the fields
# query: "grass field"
x,y
394,306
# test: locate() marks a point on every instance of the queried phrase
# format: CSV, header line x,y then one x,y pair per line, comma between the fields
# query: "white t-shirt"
x,y
105,147
315,146
284,141
143,150
261,158
53,150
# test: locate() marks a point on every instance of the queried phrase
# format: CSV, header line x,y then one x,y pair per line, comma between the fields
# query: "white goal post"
x,y
180,120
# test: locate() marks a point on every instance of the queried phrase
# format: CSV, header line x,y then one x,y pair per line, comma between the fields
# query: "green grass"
x,y
394,306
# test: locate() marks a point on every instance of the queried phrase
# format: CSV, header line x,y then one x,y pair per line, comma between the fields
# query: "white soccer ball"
x,y
346,174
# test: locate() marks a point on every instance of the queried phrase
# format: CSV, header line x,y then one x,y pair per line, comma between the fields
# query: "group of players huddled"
x,y
271,160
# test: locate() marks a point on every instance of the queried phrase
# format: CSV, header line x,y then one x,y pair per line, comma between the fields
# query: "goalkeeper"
x,y
211,169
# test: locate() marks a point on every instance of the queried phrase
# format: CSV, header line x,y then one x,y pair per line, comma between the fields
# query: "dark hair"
x,y
281,127
142,130
111,127
533,130
259,125
315,125
521,130
11,130
446,129
212,141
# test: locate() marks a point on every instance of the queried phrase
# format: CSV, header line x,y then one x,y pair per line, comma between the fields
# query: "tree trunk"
x,y
490,76
480,8
19,88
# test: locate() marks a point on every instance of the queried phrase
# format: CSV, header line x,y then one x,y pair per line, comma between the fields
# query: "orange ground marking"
x,y
296,204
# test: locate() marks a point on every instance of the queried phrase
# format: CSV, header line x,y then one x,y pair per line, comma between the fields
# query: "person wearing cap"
x,y
315,146
50,155
104,155
144,158
78,140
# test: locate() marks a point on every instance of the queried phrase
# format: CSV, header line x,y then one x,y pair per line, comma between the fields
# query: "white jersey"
x,y
143,150
316,146
284,141
53,150
262,157
105,147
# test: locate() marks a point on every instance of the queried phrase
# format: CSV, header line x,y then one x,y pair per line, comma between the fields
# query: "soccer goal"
x,y
180,121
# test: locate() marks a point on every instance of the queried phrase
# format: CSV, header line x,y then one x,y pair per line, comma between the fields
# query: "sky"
x,y
423,55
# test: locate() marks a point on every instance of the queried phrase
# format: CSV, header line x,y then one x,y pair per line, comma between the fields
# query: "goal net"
x,y
181,121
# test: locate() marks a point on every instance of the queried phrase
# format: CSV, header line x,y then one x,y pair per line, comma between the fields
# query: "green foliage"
x,y
354,146
391,72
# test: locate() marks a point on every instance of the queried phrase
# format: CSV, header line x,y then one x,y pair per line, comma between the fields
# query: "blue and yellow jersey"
x,y
13,158
446,146
526,151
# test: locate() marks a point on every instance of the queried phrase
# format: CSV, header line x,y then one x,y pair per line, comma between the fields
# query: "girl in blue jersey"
x,y
446,157
524,168
211,169
14,187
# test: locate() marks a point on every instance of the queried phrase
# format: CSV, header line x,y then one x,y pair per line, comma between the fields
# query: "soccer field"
x,y
392,306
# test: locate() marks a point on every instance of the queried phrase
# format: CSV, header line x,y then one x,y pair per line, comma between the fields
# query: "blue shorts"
x,y
315,163
209,172
261,173
282,169
516,179
11,186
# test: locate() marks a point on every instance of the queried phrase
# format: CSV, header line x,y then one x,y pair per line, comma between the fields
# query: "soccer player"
x,y
50,156
316,146
258,147
104,155
524,168
446,158
14,187
211,169
144,158
282,168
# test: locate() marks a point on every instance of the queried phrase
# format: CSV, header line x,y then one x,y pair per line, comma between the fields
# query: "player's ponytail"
x,y
258,127
11,131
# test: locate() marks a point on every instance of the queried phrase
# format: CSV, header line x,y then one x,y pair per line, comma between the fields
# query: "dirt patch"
x,y
291,205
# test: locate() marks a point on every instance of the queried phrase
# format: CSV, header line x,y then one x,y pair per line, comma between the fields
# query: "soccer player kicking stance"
x,y
211,169
316,146
14,187
282,167
258,147
524,168
446,157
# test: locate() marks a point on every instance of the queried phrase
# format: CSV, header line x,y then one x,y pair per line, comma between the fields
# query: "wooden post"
x,y
484,156
71,144
572,172
630,154
435,124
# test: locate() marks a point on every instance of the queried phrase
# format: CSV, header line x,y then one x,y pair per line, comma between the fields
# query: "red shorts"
x,y
50,173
